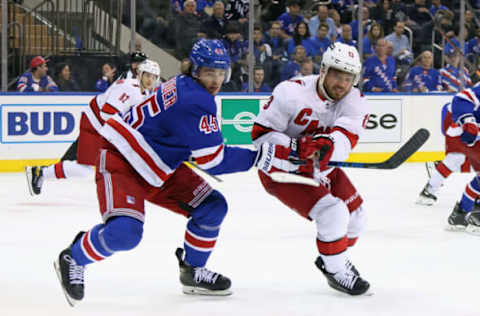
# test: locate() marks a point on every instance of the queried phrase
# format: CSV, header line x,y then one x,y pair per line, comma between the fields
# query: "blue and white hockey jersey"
x,y
178,121
466,104
419,79
379,75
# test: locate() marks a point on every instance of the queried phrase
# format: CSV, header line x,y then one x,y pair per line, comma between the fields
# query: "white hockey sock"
x,y
67,169
452,161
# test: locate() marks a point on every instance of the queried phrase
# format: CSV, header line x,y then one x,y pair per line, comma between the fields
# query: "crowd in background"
x,y
290,37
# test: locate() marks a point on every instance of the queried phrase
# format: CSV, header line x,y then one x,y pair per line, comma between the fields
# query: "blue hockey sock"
x,y
471,193
119,233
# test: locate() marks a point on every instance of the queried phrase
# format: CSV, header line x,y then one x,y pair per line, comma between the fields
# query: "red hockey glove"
x,y
323,154
470,131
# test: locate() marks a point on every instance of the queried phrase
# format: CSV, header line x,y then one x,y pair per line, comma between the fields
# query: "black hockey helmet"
x,y
138,57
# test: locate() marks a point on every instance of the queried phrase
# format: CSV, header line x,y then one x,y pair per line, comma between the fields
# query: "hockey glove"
x,y
325,145
470,131
285,159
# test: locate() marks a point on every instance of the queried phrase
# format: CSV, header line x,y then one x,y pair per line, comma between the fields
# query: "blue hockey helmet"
x,y
209,53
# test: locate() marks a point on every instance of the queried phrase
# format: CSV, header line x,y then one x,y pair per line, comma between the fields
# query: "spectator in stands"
x,y
451,78
108,76
379,70
205,7
470,25
290,19
215,26
259,84
346,36
418,14
472,47
383,13
322,18
279,52
135,58
335,16
36,80
187,28
370,41
233,41
319,43
292,68
65,81
436,5
237,10
365,23
423,78
401,45
240,70
185,66
301,36
261,49
306,68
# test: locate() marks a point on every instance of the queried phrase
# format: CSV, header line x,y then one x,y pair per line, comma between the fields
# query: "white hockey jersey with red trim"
x,y
119,98
296,108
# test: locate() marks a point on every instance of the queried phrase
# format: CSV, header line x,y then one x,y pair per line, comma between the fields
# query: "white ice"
x,y
414,266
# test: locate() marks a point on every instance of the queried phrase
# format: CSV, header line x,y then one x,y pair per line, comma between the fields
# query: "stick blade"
x,y
407,150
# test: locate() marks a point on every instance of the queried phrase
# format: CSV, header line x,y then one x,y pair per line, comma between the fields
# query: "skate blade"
x,y
71,301
28,173
474,230
424,201
455,228
191,290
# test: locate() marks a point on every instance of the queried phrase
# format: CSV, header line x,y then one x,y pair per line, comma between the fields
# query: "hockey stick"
x,y
399,157
195,166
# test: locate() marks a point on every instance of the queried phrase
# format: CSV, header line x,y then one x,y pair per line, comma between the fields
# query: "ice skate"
x,y
201,281
425,197
34,179
346,281
70,275
473,222
457,219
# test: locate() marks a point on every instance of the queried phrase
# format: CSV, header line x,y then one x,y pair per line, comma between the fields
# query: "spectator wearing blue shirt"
x,y
365,24
451,77
290,19
322,17
259,84
472,47
346,36
232,42
276,41
108,76
36,80
379,70
423,78
437,5
401,45
370,41
301,36
319,43
292,68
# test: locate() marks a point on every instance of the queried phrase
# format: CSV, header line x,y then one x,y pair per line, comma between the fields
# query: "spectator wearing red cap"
x,y
36,80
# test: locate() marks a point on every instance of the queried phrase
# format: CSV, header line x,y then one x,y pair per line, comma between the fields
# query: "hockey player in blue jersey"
x,y
466,113
142,159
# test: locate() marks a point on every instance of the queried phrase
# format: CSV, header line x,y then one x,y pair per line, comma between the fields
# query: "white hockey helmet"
x,y
149,66
341,57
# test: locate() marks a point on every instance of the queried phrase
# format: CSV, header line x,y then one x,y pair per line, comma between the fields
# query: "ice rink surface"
x,y
414,266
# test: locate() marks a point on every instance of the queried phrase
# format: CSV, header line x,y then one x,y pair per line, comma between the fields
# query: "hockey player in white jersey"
x,y
306,123
80,158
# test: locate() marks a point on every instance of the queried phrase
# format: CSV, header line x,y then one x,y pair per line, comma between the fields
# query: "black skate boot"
x,y
425,197
201,281
34,179
349,265
346,281
473,222
70,275
456,220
